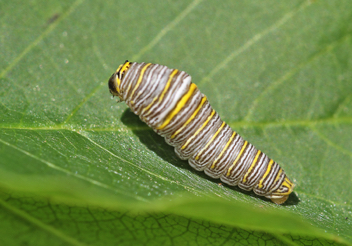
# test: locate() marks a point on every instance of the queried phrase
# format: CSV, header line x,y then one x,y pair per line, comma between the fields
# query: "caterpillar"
x,y
167,101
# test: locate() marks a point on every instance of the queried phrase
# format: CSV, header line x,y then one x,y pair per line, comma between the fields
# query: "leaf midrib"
x,y
236,124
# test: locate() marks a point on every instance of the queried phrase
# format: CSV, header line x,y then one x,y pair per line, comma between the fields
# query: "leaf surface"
x,y
76,168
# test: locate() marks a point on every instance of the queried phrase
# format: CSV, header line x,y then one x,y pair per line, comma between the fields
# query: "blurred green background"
x,y
76,168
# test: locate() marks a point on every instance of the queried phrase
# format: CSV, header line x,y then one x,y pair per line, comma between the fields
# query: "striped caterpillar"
x,y
167,101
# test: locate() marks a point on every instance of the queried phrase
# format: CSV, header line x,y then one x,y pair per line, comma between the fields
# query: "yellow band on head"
x,y
118,81
125,67
120,71
119,68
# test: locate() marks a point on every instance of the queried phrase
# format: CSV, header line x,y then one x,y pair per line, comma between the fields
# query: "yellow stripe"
x,y
117,70
121,69
190,118
271,162
118,81
287,184
237,158
162,94
179,106
251,167
201,128
124,67
211,140
288,181
222,152
278,175
172,75
146,108
139,79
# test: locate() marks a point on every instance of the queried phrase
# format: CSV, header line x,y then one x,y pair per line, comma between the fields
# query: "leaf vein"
x,y
39,39
289,74
52,165
40,224
252,41
166,29
330,143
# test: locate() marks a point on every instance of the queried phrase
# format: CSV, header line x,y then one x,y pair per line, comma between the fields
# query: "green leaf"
x,y
78,169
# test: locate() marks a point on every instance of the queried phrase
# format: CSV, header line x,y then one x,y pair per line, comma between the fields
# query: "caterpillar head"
x,y
115,79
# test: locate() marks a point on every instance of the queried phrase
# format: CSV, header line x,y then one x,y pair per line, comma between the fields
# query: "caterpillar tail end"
x,y
280,195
